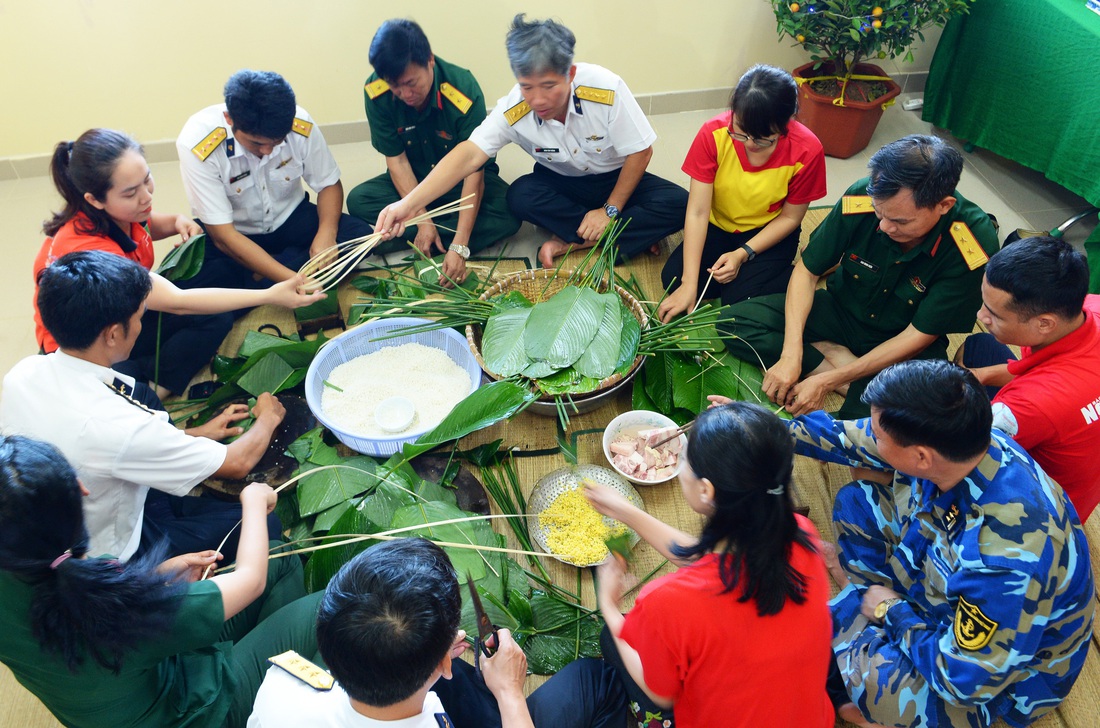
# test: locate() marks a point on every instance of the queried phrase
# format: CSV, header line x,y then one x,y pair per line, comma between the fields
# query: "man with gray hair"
x,y
590,141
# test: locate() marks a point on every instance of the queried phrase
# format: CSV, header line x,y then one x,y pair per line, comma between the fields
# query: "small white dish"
x,y
395,414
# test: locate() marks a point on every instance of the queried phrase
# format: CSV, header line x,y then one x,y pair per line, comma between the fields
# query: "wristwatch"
x,y
462,250
611,210
747,249
884,606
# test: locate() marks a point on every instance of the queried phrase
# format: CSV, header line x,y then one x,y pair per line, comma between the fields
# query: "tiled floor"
x,y
1017,196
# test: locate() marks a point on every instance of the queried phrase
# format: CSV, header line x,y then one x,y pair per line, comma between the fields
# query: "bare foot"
x,y
555,247
850,713
832,565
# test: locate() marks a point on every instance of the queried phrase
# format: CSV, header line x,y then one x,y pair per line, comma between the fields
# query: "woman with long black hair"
x,y
102,643
107,190
740,634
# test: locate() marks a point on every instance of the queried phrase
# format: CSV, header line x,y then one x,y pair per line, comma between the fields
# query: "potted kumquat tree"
x,y
841,98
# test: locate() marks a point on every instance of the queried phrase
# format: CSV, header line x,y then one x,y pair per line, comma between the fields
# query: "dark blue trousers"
x,y
558,203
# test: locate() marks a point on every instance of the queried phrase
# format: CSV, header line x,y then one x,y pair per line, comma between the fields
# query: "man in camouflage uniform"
x,y
971,594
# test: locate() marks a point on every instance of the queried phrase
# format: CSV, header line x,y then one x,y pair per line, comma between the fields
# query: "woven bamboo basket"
x,y
538,285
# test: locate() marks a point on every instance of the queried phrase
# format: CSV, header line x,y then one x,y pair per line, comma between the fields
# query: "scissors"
x,y
485,628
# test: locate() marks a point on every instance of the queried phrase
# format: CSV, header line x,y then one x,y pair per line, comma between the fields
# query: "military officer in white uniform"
x,y
243,163
590,141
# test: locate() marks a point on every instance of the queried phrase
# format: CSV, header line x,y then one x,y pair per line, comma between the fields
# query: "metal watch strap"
x,y
462,250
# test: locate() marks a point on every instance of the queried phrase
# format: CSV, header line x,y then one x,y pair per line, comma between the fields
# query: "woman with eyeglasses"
x,y
754,172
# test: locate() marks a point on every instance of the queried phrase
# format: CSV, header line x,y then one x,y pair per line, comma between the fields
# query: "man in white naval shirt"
x,y
590,141
119,442
243,163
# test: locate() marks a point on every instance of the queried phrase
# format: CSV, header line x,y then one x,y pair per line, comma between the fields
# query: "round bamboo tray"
x,y
539,285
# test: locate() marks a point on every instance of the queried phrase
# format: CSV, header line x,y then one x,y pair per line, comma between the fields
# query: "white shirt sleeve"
x,y
628,127
159,455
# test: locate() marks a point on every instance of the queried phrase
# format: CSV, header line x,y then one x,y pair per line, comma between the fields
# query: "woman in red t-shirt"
x,y
107,188
754,172
740,634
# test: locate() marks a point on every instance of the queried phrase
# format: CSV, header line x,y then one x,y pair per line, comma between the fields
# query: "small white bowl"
x,y
639,420
395,414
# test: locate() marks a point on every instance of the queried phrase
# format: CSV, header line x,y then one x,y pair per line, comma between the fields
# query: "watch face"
x,y
611,210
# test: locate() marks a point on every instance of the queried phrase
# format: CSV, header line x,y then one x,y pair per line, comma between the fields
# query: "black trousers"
x,y
767,273
585,694
559,203
288,244
187,344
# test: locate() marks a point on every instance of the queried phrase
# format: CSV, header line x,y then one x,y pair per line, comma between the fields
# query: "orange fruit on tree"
x,y
876,24
876,12
794,7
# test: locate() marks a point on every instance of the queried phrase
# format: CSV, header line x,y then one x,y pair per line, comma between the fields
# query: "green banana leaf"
x,y
502,344
561,328
539,369
184,261
325,520
469,532
599,359
271,374
487,405
322,491
256,341
511,299
567,381
564,633
628,342
324,564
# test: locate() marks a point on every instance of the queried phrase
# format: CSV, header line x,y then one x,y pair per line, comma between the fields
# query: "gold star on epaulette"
x,y
206,147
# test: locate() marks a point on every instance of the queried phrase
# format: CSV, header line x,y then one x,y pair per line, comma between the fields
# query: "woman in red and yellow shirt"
x,y
754,172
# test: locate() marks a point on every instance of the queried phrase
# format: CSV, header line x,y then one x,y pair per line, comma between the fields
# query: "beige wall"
x,y
145,65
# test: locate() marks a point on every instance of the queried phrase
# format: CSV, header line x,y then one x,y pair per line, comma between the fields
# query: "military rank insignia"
x,y
302,126
516,113
972,252
376,88
210,142
303,669
973,630
456,97
856,205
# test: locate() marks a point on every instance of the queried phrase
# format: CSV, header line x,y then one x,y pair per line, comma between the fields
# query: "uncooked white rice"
x,y
426,375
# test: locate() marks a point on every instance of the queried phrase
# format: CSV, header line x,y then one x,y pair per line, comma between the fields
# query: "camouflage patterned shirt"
x,y
995,574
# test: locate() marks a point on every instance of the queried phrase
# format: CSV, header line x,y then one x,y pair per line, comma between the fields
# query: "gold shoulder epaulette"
x,y
456,97
303,127
376,88
516,113
603,96
968,245
303,669
856,204
203,149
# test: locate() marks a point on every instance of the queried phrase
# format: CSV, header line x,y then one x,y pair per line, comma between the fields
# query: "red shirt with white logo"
x,y
1053,404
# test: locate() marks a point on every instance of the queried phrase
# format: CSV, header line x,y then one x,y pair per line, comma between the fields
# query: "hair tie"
x,y
61,559
777,490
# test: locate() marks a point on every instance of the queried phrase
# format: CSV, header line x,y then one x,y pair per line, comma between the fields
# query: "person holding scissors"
x,y
387,629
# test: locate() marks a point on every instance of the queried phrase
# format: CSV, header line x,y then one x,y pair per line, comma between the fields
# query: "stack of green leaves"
x,y
565,344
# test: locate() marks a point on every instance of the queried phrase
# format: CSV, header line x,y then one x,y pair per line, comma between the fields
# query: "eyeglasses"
x,y
764,142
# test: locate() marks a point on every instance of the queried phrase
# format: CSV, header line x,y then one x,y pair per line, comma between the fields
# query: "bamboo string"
x,y
326,269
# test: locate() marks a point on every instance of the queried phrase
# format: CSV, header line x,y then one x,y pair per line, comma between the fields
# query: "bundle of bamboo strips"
x,y
326,269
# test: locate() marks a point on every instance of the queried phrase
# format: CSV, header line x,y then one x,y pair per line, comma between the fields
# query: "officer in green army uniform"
x,y
419,107
908,251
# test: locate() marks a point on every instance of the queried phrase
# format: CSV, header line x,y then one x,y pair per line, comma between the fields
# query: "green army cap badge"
x,y
973,630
